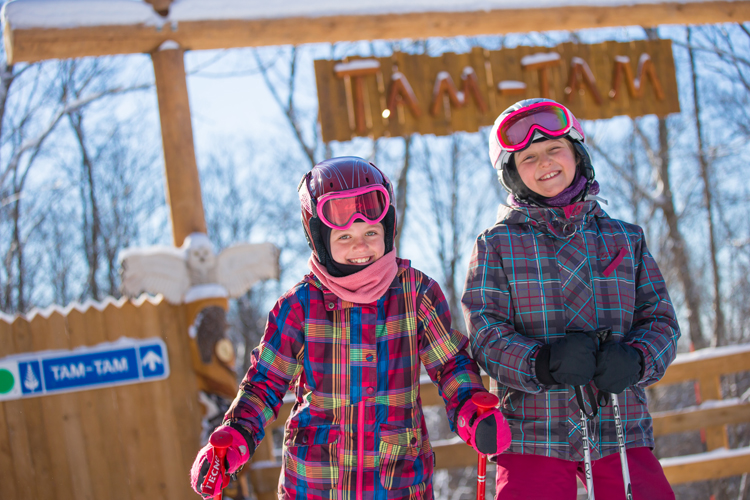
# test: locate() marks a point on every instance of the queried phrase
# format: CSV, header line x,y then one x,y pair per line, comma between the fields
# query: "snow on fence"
x,y
123,441
712,413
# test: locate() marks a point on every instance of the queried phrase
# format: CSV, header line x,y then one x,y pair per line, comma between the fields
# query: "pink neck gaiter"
x,y
362,287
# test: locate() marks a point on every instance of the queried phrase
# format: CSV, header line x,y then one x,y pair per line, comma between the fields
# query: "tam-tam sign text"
x,y
405,94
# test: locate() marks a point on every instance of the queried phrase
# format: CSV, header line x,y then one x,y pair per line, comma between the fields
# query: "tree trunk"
x,y
454,301
719,324
92,227
402,185
679,249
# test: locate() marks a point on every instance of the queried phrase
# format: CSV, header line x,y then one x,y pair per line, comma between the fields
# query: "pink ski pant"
x,y
533,477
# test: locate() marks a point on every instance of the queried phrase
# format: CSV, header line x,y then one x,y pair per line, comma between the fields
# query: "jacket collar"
x,y
562,222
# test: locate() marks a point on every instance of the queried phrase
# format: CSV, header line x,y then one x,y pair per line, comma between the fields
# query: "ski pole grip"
x,y
484,401
220,440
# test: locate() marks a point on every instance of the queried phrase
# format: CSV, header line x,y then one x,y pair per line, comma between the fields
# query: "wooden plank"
x,y
134,429
694,418
182,391
38,44
704,466
174,460
98,414
183,185
154,447
60,420
710,389
41,474
8,487
265,478
182,386
457,454
688,367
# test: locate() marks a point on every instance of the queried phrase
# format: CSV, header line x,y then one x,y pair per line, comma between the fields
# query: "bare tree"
x,y
719,324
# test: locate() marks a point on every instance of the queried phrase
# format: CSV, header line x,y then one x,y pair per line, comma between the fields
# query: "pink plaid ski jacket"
x,y
355,372
534,276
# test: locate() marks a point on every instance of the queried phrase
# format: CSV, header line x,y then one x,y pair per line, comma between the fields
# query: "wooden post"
x,y
710,389
183,186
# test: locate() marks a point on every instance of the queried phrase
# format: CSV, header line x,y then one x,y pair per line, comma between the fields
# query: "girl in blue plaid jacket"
x,y
551,276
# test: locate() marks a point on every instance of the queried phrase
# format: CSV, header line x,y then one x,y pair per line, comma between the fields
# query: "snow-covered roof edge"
x,y
46,312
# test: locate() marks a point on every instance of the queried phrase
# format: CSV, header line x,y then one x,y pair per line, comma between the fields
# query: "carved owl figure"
x,y
173,271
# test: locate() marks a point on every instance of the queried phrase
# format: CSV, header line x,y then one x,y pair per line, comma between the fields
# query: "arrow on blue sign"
x,y
126,361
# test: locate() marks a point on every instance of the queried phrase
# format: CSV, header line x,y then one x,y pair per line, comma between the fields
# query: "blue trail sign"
x,y
127,361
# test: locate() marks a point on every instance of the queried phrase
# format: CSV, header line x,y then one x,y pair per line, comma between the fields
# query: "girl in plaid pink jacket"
x,y
350,339
552,275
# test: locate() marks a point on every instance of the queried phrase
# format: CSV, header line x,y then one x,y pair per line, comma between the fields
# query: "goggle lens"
x,y
340,212
515,131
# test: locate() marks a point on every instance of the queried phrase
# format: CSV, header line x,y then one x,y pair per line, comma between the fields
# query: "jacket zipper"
x,y
360,447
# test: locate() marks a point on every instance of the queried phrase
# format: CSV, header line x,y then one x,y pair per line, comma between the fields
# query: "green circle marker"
x,y
7,381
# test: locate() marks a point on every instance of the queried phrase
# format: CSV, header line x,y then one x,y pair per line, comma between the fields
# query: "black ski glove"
x,y
570,361
618,366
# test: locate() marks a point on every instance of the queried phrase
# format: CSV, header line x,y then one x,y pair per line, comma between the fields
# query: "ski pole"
x,y
587,456
621,446
220,441
484,401
605,335
585,433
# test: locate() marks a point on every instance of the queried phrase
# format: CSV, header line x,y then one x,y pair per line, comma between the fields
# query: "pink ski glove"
x,y
487,433
208,464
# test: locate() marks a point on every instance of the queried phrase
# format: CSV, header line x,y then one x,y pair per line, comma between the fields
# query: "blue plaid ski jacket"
x,y
535,275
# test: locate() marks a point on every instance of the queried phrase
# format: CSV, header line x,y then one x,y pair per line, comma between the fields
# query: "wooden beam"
x,y
183,186
35,44
703,466
686,369
694,418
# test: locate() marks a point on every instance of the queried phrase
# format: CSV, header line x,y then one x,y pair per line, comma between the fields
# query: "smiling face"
x,y
359,245
547,167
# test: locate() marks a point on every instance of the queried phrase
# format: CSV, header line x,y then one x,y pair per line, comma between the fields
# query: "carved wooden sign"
x,y
405,94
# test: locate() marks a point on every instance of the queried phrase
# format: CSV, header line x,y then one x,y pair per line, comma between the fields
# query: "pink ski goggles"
x,y
339,210
517,129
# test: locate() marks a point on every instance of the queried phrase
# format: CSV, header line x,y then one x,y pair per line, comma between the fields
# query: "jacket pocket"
x,y
402,464
615,262
311,458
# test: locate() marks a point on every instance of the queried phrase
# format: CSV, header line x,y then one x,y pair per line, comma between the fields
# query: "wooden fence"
x,y
138,441
705,366
127,442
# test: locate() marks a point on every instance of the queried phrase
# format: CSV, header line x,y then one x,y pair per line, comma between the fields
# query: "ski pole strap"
x,y
592,401
602,398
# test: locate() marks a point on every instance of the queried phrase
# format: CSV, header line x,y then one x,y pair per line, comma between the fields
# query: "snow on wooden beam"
x,y
28,43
